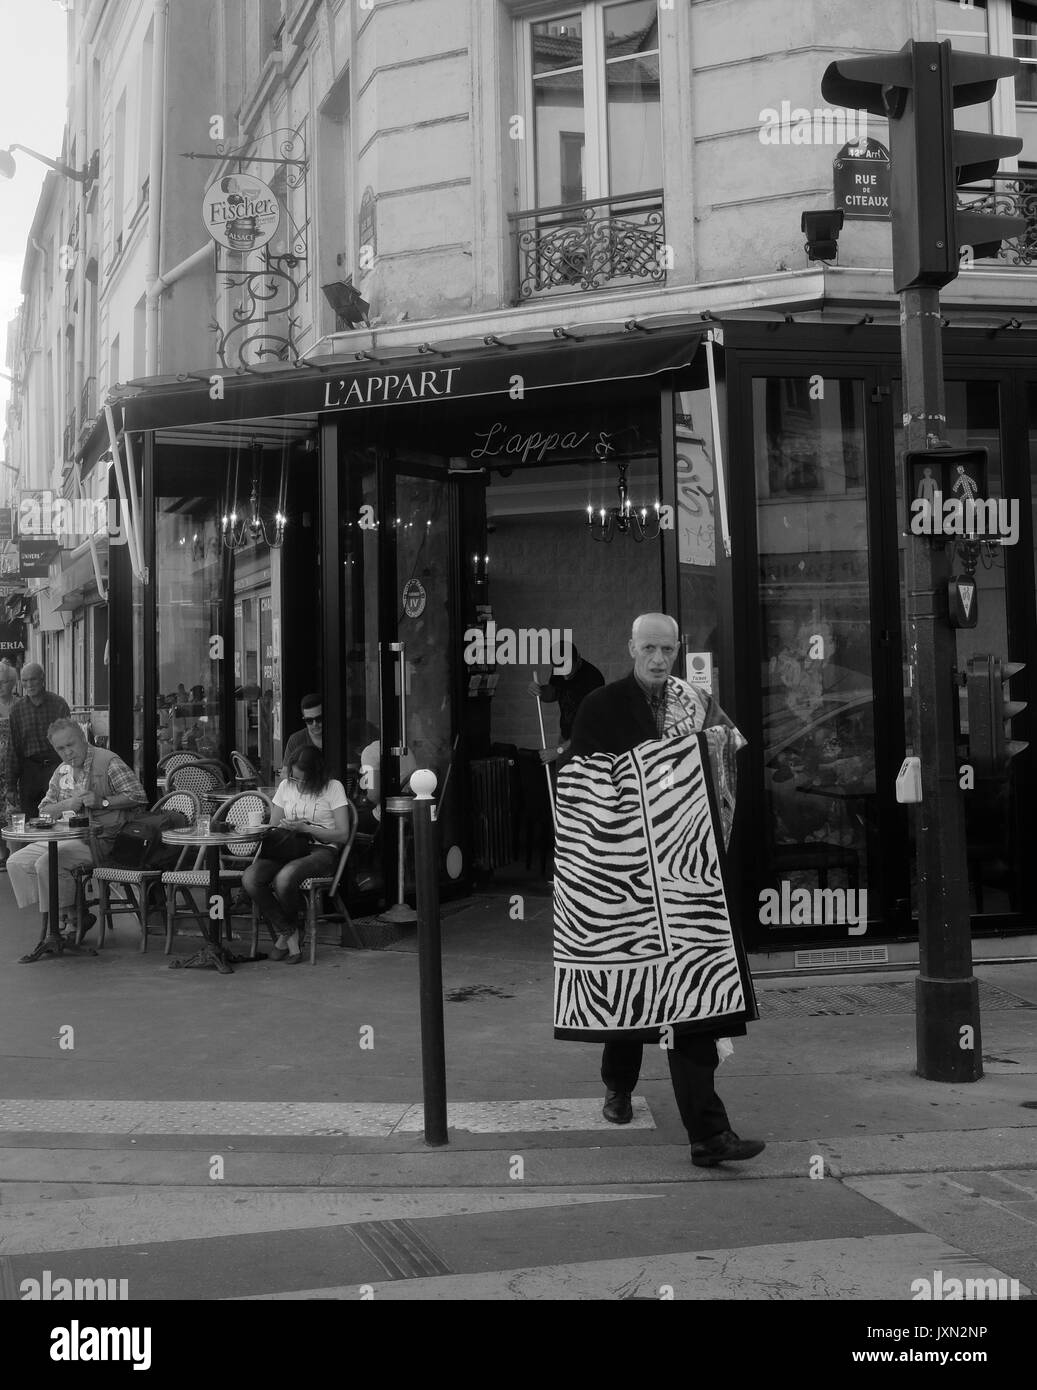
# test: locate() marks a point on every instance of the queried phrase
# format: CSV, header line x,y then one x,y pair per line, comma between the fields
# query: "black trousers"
x,y
35,779
693,1062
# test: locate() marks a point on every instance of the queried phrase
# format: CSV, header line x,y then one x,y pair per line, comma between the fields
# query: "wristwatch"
x,y
105,803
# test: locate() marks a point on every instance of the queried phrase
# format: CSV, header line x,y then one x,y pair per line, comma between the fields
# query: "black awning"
x,y
427,377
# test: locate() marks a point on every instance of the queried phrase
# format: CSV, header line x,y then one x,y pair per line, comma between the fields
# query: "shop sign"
x,y
414,598
12,639
388,389
35,557
240,212
699,667
860,176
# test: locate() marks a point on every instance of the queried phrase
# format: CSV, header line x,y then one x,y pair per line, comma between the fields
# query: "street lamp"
x,y
86,176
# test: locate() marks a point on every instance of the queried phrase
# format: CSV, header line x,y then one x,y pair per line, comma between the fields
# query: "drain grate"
x,y
889,997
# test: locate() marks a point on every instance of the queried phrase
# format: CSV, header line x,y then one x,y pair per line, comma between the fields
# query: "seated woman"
x,y
311,822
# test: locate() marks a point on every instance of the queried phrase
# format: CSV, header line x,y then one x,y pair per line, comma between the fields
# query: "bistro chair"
x,y
235,859
246,774
174,760
137,884
198,777
316,889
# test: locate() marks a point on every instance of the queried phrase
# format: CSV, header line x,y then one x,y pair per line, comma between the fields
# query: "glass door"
x,y
419,644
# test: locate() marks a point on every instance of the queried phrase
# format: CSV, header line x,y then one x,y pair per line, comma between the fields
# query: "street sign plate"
x,y
860,176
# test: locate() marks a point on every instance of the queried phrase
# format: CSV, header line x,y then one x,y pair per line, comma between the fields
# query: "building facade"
x,y
433,281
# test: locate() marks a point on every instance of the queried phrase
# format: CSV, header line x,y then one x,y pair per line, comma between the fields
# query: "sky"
x,y
32,112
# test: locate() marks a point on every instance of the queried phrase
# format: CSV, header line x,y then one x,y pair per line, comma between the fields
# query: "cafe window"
x,y
593,93
817,736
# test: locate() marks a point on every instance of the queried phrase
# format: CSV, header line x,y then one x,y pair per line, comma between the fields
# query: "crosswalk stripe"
x,y
157,1215
865,1267
373,1120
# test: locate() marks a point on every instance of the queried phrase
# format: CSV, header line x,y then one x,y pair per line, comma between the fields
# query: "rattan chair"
x,y
246,774
198,777
172,761
137,884
235,859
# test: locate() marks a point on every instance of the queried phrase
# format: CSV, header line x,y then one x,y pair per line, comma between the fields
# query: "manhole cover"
x,y
889,997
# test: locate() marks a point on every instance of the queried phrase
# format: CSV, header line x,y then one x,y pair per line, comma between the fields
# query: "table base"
x,y
216,956
55,946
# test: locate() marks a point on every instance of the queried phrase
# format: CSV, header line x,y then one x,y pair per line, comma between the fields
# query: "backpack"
x,y
138,845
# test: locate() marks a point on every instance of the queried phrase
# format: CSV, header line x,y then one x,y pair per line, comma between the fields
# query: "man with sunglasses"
x,y
312,736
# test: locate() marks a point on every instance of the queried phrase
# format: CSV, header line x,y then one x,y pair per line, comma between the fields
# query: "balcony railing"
x,y
1009,193
590,245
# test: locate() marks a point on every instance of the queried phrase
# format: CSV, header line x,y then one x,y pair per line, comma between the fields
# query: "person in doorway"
x,y
310,736
569,692
87,779
30,758
8,700
312,819
651,704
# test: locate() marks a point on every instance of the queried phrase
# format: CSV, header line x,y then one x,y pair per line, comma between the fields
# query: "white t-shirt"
x,y
318,808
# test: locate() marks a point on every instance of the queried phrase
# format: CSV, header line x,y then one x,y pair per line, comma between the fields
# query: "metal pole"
x,y
430,958
947,1028
543,744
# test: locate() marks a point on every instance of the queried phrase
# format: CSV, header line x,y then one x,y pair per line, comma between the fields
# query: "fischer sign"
x,y
240,212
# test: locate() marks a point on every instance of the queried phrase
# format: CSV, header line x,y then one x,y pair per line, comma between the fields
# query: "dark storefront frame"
x,y
872,353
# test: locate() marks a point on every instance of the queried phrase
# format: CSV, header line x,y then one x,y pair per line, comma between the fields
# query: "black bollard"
x,y
430,965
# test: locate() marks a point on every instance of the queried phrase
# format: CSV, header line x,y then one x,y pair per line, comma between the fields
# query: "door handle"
x,y
399,650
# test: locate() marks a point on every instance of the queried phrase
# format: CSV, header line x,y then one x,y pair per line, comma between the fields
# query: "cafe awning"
x,y
426,375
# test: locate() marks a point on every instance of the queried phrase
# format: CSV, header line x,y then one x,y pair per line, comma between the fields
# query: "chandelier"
x,y
624,519
236,531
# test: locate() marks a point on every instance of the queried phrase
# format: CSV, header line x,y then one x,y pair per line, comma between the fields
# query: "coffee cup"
x,y
255,820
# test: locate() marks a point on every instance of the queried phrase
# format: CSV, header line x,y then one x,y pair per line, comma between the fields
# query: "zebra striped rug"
x,y
643,932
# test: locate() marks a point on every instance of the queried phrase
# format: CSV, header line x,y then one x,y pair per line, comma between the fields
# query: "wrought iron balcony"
x,y
1008,193
590,245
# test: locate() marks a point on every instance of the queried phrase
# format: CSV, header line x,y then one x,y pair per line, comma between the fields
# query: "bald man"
x,y
30,757
645,705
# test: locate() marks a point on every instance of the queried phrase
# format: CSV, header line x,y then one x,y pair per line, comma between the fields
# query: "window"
x,y
594,102
118,175
1024,46
966,28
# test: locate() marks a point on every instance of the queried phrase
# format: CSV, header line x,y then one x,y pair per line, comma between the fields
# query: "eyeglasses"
x,y
292,778
314,719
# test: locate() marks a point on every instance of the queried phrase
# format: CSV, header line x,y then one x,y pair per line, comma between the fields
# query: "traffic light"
x,y
918,89
991,746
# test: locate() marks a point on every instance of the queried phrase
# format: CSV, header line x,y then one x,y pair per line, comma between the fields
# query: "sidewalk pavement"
x,y
306,1084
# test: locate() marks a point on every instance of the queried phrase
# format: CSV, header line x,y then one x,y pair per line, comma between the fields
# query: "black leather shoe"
x,y
617,1108
724,1148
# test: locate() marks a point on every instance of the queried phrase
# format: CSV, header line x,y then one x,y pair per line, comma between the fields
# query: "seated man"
x,y
312,736
94,780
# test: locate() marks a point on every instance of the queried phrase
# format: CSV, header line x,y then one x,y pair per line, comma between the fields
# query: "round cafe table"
x,y
51,942
212,952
